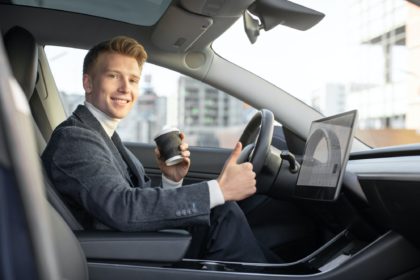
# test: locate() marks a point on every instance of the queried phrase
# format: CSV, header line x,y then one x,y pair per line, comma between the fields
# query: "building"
x,y
147,117
209,116
71,101
330,99
413,66
387,31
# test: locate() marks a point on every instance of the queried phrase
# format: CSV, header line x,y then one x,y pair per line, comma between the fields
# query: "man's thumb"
x,y
235,153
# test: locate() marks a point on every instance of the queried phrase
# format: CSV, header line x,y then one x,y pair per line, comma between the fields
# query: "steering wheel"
x,y
256,139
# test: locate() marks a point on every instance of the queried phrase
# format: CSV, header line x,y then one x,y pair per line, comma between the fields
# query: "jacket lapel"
x,y
123,152
86,117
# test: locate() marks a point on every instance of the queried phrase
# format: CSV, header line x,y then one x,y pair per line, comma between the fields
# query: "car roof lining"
x,y
145,13
80,31
39,20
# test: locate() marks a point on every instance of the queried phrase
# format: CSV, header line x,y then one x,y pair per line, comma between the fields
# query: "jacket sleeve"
x,y
82,166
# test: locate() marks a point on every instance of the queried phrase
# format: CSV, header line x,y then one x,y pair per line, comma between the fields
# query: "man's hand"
x,y
237,181
176,172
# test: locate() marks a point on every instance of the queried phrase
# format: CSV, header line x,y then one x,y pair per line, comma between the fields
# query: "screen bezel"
x,y
322,192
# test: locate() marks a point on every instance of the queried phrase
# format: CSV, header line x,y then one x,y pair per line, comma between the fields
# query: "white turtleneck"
x,y
110,125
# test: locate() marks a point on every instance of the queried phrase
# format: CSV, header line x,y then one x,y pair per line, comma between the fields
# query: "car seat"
x,y
23,59
163,246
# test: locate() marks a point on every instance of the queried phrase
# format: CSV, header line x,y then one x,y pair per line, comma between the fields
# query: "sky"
x,y
297,61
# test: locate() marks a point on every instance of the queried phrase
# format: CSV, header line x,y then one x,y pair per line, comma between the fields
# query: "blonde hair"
x,y
121,44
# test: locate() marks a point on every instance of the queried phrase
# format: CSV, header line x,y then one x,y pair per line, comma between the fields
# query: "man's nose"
x,y
124,85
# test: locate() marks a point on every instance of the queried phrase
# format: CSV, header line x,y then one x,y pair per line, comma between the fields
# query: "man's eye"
x,y
113,76
134,81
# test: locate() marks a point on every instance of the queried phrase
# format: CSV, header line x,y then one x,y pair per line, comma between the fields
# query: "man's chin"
x,y
118,115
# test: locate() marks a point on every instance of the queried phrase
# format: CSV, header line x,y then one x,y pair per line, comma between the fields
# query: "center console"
x,y
343,257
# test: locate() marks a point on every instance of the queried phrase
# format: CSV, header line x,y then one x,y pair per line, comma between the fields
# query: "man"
x,y
106,186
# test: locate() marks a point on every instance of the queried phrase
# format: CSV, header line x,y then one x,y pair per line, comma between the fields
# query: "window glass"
x,y
362,55
208,116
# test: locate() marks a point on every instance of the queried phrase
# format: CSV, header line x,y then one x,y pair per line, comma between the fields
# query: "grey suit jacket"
x,y
89,172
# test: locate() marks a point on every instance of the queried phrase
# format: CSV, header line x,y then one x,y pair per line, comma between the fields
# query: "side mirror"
x,y
274,12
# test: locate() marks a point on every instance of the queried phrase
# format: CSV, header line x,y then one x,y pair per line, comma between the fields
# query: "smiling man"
x,y
111,84
106,187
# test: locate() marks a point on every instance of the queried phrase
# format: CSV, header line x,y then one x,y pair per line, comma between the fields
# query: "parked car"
x,y
368,230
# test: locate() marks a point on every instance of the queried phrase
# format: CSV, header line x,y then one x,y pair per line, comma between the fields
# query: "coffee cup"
x,y
168,141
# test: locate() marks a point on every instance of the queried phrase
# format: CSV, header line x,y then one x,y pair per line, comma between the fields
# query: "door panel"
x,y
206,163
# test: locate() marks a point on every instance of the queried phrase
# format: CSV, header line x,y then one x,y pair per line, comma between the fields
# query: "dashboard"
x,y
390,185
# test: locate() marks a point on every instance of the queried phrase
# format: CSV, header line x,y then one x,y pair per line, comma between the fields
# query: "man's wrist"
x,y
168,183
216,195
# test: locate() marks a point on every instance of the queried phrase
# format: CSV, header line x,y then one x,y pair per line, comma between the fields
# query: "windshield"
x,y
363,55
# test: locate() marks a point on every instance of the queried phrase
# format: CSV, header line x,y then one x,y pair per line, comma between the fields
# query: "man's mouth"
x,y
120,100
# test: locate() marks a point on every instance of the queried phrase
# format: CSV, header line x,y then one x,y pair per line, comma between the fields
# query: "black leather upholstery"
x,y
163,246
22,51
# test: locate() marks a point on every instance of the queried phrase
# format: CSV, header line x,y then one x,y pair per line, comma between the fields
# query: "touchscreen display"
x,y
326,154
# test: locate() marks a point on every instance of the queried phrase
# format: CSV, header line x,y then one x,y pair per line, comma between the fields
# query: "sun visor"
x,y
178,30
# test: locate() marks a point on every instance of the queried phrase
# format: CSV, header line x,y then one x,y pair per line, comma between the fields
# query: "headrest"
x,y
23,57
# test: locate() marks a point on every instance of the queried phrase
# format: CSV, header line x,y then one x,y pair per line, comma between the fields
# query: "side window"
x,y
208,116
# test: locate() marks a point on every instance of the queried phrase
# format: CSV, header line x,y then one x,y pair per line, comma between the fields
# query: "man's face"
x,y
112,84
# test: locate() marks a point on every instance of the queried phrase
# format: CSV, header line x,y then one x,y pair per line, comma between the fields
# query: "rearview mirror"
x,y
274,12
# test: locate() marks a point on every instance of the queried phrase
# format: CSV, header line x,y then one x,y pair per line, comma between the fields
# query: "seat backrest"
x,y
71,258
22,52
58,204
21,49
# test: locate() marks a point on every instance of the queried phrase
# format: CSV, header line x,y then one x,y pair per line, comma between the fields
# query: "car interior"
x,y
368,229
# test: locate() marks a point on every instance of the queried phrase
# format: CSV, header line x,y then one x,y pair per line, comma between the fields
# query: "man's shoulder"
x,y
72,131
80,122
71,127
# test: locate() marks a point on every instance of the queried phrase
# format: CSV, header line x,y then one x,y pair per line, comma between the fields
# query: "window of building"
x,y
207,116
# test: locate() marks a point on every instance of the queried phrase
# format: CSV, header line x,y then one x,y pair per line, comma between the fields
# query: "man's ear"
x,y
87,83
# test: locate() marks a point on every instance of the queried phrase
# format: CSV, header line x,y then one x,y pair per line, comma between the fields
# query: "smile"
x,y
120,100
